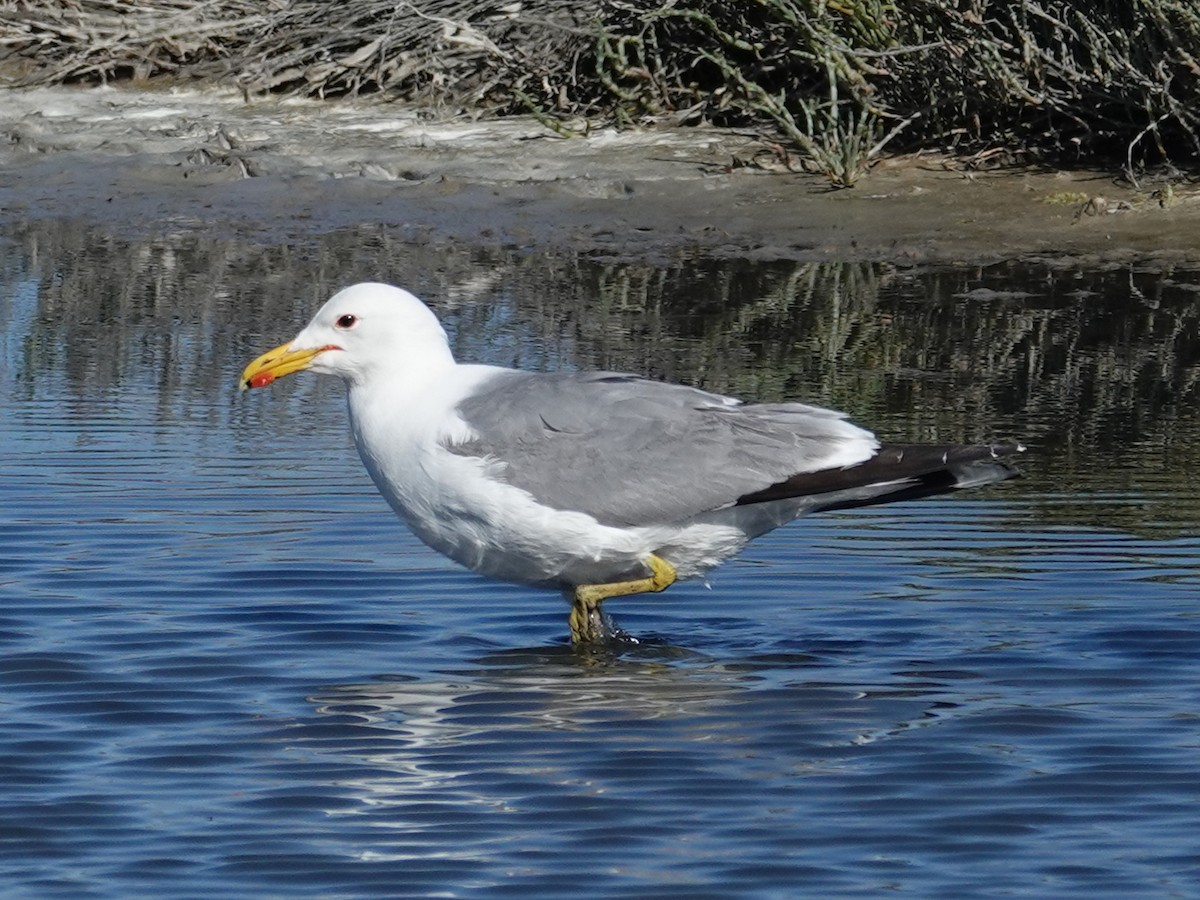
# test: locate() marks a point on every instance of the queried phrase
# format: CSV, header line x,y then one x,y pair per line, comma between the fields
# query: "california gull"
x,y
603,484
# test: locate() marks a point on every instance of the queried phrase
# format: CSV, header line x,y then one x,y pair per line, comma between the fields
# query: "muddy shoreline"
x,y
180,160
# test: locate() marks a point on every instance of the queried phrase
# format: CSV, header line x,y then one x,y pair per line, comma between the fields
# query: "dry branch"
x,y
840,80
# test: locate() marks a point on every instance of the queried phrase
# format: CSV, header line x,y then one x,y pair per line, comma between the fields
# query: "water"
x,y
227,670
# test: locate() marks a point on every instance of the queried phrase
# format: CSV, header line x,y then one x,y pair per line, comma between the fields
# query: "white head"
x,y
362,329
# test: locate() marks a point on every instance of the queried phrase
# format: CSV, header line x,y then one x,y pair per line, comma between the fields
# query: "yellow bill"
x,y
277,363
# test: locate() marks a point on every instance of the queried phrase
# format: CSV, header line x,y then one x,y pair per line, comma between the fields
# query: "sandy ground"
x,y
189,159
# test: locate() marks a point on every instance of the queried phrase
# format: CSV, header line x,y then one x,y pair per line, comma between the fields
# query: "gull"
x,y
602,484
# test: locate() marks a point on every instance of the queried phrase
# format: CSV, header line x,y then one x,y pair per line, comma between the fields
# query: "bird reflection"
x,y
521,729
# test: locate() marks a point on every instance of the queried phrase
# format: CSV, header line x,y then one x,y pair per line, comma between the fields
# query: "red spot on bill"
x,y
262,379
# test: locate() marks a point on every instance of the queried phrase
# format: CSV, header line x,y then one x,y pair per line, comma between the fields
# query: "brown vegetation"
x,y
839,81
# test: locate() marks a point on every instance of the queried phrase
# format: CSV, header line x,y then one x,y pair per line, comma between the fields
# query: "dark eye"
x,y
347,321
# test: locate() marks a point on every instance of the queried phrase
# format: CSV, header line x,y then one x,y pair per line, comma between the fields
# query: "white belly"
x,y
461,507
458,506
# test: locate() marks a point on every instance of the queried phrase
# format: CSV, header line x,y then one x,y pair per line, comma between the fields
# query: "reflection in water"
x,y
1097,369
543,688
512,729
902,699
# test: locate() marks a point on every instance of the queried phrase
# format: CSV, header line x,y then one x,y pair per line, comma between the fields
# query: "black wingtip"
x,y
898,472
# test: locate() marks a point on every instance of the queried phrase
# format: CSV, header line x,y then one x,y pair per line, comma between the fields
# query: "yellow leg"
x,y
586,620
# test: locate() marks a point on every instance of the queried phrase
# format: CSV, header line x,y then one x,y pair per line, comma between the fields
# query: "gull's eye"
x,y
346,321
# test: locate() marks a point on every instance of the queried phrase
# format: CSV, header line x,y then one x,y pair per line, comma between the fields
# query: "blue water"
x,y
227,670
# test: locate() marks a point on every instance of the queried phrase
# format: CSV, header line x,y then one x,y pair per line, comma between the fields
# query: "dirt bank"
x,y
183,159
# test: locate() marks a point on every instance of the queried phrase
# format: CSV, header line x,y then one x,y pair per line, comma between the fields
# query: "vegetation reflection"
x,y
1095,366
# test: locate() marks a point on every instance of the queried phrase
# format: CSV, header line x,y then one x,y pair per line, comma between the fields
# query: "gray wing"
x,y
629,451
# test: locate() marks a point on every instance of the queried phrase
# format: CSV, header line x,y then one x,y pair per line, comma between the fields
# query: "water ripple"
x,y
225,668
